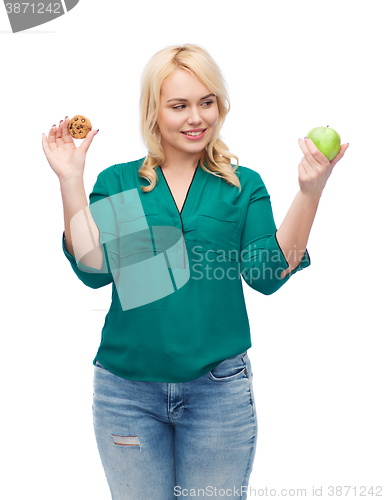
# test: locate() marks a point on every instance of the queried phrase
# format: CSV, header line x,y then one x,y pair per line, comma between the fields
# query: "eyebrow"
x,y
186,100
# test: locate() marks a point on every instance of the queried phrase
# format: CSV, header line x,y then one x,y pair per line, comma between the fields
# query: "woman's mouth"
x,y
194,136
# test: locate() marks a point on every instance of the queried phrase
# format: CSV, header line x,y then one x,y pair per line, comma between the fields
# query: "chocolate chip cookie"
x,y
79,126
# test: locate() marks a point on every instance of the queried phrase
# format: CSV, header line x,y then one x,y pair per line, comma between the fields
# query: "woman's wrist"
x,y
311,198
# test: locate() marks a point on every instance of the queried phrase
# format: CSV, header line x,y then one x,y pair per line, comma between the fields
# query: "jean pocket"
x,y
230,369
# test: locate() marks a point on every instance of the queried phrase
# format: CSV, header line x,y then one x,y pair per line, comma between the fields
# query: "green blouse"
x,y
178,306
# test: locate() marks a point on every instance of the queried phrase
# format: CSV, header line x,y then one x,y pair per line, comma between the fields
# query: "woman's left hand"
x,y
315,168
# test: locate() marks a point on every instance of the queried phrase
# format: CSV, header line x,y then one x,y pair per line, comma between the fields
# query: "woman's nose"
x,y
194,116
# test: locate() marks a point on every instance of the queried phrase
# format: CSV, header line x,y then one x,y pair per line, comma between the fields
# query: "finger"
x,y
45,145
303,175
88,140
52,138
67,138
340,154
313,153
309,163
59,134
310,160
302,168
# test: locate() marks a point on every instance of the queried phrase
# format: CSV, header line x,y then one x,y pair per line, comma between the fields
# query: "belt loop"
x,y
244,362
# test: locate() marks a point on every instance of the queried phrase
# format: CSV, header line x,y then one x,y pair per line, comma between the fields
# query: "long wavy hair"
x,y
195,59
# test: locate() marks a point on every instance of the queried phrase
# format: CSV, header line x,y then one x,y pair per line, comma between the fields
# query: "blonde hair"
x,y
197,61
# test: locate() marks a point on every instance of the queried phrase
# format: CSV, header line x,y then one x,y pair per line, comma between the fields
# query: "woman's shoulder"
x,y
120,169
247,174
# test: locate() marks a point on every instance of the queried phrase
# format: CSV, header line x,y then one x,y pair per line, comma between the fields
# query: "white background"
x,y
317,353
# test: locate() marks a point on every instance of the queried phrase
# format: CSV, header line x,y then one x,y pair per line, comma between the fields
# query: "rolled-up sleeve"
x,y
94,278
262,260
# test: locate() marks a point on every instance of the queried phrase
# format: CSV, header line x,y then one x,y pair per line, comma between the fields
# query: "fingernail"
x,y
299,140
305,138
97,131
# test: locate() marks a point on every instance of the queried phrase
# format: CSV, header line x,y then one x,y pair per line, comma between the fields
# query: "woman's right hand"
x,y
65,159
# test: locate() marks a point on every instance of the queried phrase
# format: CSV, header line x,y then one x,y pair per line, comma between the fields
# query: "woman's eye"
x,y
183,105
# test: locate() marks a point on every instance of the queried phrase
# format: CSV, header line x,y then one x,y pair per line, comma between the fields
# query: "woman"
x,y
174,409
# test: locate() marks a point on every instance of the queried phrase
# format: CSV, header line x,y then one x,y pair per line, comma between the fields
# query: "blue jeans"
x,y
163,441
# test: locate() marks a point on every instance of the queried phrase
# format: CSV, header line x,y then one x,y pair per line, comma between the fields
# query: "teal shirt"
x,y
178,307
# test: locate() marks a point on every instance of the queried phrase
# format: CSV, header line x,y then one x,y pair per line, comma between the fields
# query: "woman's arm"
x,y
314,170
81,232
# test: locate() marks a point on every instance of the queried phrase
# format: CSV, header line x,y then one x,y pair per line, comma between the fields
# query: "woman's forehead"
x,y
185,84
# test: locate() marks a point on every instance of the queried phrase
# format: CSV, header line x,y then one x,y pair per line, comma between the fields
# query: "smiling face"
x,y
186,105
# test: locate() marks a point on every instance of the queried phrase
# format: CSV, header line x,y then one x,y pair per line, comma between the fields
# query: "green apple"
x,y
326,140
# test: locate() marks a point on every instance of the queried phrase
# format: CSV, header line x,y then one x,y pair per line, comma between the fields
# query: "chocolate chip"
x,y
76,119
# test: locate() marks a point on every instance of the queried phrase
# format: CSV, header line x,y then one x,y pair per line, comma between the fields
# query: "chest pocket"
x,y
217,229
140,239
136,237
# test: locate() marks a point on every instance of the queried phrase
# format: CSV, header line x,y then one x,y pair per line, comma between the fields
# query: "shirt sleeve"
x,y
262,260
94,278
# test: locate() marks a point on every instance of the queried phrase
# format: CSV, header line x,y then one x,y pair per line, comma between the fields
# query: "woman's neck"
x,y
180,168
